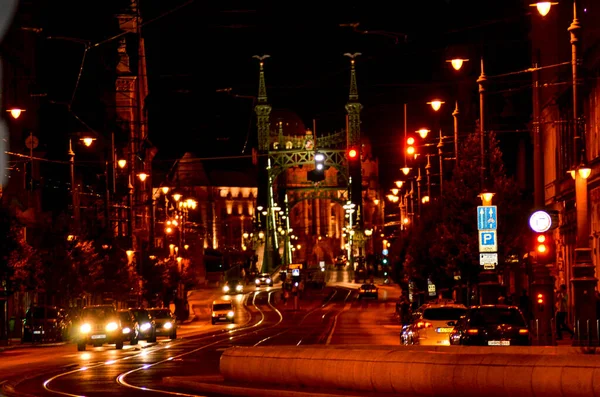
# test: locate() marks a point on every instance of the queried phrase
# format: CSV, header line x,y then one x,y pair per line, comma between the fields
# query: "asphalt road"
x,y
333,315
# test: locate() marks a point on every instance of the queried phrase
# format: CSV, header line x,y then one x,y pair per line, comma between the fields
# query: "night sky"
x,y
195,48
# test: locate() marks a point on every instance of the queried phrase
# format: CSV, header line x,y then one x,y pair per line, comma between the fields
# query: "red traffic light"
x,y
540,246
352,154
540,299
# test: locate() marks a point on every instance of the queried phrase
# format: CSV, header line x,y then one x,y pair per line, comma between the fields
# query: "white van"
x,y
222,310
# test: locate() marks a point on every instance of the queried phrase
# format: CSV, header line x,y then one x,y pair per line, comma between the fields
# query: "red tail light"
x,y
472,331
424,324
523,331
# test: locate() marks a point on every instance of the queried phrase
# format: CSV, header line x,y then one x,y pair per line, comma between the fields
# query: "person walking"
x,y
561,312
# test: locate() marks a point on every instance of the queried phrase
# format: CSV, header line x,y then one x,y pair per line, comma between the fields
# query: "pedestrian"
x,y
561,312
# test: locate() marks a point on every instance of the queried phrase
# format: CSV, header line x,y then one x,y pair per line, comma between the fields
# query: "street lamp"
x,y
457,62
543,7
436,104
15,112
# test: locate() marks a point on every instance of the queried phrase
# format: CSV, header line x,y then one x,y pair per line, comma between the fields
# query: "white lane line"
x,y
330,336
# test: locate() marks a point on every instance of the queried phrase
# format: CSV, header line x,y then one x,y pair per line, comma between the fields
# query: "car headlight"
x,y
226,288
268,281
168,325
230,314
126,330
257,281
239,288
85,328
112,326
145,327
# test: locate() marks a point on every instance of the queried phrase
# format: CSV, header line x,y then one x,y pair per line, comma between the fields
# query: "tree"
x,y
19,262
452,220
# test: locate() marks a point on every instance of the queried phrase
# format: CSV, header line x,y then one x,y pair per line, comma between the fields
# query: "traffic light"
x,y
318,174
544,247
353,154
540,302
319,162
384,260
410,149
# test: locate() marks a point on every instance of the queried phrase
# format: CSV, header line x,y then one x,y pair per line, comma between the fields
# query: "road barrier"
x,y
449,372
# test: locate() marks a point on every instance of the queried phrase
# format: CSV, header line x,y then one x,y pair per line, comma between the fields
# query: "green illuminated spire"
x,y
353,107
262,109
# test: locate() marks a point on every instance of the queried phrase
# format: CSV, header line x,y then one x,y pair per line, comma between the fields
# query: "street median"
x,y
454,371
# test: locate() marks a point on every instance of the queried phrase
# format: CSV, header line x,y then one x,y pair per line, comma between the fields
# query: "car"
x,y
491,325
165,322
263,279
131,328
222,310
99,324
233,286
432,323
368,291
45,323
146,323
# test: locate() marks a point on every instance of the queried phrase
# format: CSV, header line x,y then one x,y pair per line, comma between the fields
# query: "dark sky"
x,y
203,47
196,47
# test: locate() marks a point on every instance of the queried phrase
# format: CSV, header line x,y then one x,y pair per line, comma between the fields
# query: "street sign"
x,y
486,259
487,217
540,221
292,266
488,241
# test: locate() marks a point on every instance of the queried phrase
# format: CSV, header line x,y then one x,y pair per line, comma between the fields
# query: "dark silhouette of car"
x,y
165,322
146,323
131,328
491,325
233,287
263,279
98,325
45,323
368,291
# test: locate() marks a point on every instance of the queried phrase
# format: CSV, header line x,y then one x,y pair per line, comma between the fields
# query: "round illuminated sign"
x,y
540,221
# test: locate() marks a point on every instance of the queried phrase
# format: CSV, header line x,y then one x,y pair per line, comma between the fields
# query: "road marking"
x,y
330,336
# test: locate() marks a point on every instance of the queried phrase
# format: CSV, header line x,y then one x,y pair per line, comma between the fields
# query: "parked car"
x,y
131,328
98,325
233,286
491,325
45,323
432,324
146,323
368,291
222,310
165,322
263,279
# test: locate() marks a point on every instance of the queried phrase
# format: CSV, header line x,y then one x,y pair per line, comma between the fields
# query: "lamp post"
x,y
582,275
74,190
488,278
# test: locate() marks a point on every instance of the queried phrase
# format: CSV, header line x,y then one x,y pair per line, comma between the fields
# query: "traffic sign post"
x,y
487,225
487,217
488,241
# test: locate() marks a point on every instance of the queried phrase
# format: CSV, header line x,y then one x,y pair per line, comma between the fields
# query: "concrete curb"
x,y
450,372
208,385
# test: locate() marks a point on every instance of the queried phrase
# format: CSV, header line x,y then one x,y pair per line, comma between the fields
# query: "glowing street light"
x,y
423,132
87,141
457,62
143,176
543,7
436,104
15,112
